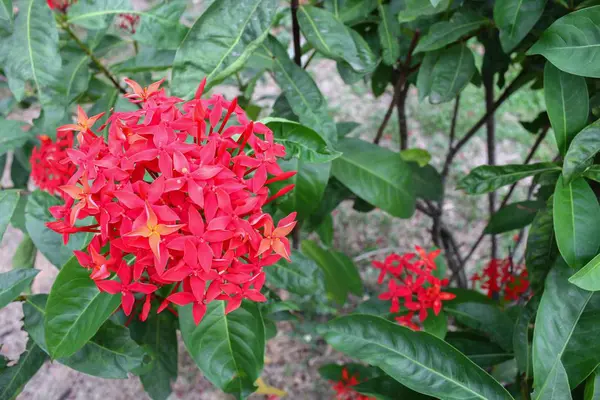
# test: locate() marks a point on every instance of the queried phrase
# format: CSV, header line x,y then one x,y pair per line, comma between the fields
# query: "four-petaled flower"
x,y
125,287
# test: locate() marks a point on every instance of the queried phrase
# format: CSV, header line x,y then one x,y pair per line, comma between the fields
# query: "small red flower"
x,y
125,287
343,387
48,169
128,22
60,5
501,277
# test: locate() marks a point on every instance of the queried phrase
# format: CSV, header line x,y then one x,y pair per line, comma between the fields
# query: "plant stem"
x,y
310,58
488,83
401,91
385,121
296,34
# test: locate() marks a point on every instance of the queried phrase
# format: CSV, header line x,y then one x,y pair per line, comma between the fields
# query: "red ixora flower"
x,y
49,162
176,195
128,22
60,5
413,283
503,277
343,387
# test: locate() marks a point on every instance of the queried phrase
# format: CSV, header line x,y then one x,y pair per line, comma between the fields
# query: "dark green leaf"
x,y
344,128
453,70
341,275
571,43
13,282
11,135
567,101
12,379
576,222
19,173
300,141
592,386
437,325
389,31
443,33
380,79
326,231
228,349
513,216
467,296
8,203
49,243
385,184
220,42
76,310
588,277
541,249
581,151
25,254
556,387
6,17
515,18
427,182
488,178
418,360
350,10
521,342
413,9
348,75
147,59
18,218
301,276
330,37
478,348
385,388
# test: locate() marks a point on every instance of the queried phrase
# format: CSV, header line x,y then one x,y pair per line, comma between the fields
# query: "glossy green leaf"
x,y
581,151
486,318
220,42
556,386
228,349
588,277
437,325
148,59
13,282
389,31
326,231
420,156
19,172
300,141
417,360
300,90
567,101
386,184
350,10
49,243
413,9
110,354
478,348
576,221
487,178
12,379
513,216
592,386
334,40
76,309
8,203
25,254
301,276
521,342
541,250
453,70
11,135
6,17
571,43
380,79
341,275
385,388
158,335
76,74
515,18
444,33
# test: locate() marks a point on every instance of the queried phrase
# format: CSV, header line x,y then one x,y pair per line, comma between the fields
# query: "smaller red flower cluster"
x,y
343,388
50,166
60,5
503,277
128,22
411,280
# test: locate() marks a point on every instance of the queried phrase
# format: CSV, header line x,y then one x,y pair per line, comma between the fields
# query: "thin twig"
x,y
401,91
296,33
385,121
310,58
488,83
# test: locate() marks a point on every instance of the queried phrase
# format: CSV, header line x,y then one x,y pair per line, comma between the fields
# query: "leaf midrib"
x,y
20,367
312,24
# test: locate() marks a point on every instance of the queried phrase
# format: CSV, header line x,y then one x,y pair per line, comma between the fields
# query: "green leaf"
x,y
49,243
513,216
420,156
341,275
478,348
300,141
385,388
588,277
541,250
521,335
437,325
25,254
158,334
389,31
571,43
350,10
592,386
110,354
576,221
19,173
13,282
34,56
18,218
326,231
444,33
6,17
567,101
380,79
385,184
8,204
11,135
300,90
413,9
105,104
486,318
76,310
556,386
515,18
220,42
12,379
454,67
581,150
488,178
148,59
329,36
75,74
228,349
417,360
301,276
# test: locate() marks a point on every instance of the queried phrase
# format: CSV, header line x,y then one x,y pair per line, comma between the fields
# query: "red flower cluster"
x,y
412,280
343,388
50,166
128,22
60,5
503,277
177,196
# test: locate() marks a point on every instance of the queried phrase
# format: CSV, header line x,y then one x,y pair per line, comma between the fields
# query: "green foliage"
x,y
12,283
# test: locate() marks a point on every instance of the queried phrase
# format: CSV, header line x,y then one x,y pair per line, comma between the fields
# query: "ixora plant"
x,y
169,210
